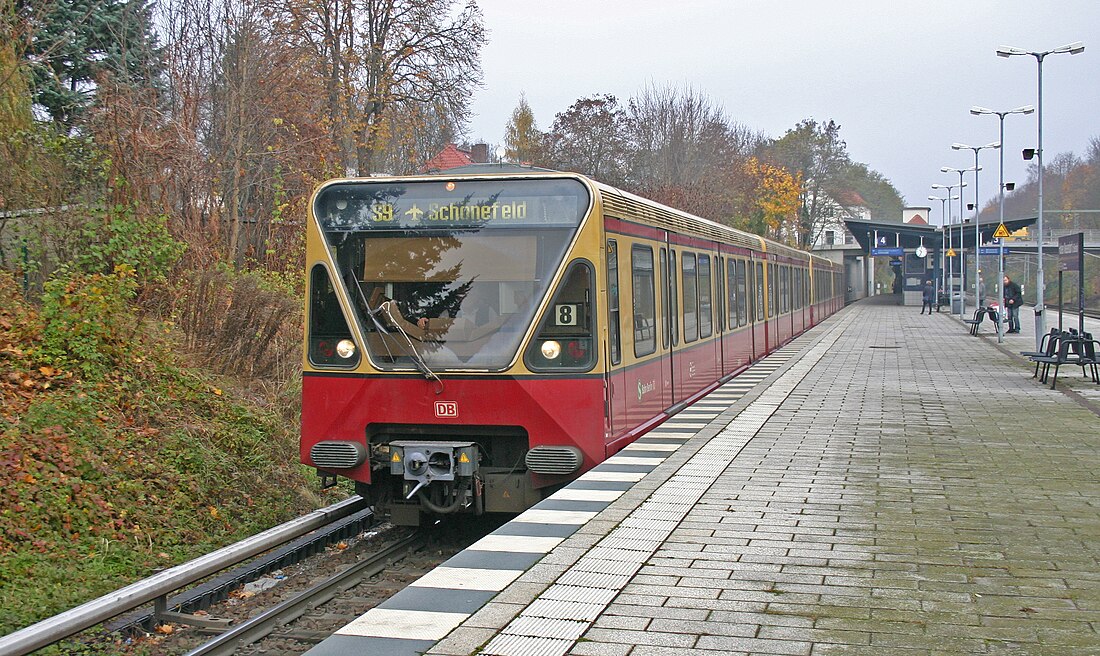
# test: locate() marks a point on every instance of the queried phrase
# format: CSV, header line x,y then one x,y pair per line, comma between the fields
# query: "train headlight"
x,y
345,348
551,350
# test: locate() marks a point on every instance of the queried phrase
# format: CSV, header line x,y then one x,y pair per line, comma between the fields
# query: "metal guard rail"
x,y
87,615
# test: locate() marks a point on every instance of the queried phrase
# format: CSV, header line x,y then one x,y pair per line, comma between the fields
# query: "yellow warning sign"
x,y
396,456
463,458
1001,231
951,252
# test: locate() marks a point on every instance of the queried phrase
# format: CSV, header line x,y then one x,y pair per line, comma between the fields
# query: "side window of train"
x,y
613,301
674,308
691,298
643,293
784,289
743,305
719,295
706,320
664,297
732,294
565,339
327,325
759,278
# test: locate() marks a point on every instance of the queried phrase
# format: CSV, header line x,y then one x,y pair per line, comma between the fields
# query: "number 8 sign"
x,y
566,314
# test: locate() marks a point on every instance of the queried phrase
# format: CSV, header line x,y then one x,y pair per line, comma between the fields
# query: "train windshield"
x,y
448,274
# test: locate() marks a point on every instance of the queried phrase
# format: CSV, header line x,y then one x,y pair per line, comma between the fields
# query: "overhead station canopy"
x,y
912,235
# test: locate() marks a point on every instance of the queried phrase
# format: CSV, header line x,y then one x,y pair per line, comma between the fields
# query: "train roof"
x,y
623,203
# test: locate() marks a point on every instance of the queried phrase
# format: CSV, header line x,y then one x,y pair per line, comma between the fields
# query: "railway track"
x,y
324,569
325,593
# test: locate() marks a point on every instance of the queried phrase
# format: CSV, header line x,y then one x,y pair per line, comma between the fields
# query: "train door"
x,y
689,366
668,334
645,392
673,317
756,311
771,282
740,300
615,376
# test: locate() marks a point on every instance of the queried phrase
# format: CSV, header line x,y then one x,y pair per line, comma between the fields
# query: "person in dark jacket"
x,y
929,297
1014,298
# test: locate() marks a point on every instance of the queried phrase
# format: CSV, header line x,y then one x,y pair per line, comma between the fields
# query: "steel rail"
x,y
259,626
87,615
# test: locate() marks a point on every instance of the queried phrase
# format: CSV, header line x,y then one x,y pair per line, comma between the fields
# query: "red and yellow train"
x,y
476,341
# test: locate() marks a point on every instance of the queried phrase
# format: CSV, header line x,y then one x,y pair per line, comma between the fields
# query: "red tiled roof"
x,y
918,219
850,198
448,158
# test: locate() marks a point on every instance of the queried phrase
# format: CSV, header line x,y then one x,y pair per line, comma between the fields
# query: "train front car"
x,y
451,340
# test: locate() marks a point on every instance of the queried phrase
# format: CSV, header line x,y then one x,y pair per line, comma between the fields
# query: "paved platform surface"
x,y
885,484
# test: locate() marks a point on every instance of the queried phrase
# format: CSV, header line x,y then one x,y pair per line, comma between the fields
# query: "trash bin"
x,y
956,303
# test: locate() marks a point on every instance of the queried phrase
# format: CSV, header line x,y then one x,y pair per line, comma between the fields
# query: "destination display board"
x,y
451,204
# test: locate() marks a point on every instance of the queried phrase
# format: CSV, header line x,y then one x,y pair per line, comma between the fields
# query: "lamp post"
x,y
949,264
948,169
978,111
1040,284
977,214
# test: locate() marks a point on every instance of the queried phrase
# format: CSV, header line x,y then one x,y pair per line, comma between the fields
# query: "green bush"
x,y
88,324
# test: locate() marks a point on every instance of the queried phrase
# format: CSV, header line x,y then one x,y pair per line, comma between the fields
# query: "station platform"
x,y
885,483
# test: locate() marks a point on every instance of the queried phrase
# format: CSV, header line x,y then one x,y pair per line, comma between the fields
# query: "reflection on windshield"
x,y
465,300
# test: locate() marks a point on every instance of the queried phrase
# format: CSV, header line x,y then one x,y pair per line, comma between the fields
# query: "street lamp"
x,y
948,169
1075,48
977,214
978,111
950,264
943,246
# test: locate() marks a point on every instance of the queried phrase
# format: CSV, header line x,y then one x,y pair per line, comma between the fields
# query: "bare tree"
x,y
382,59
686,152
591,137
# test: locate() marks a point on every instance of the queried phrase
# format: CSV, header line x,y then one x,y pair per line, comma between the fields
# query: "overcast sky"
x,y
898,77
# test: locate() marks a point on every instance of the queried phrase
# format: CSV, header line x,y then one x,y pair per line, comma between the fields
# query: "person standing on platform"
x,y
1014,298
928,297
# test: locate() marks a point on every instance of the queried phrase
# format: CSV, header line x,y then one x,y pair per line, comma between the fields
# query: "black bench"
x,y
1072,349
979,315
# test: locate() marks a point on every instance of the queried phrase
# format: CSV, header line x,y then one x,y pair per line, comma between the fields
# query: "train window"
x,y
743,305
784,289
674,308
565,338
773,281
719,297
664,298
731,290
759,279
706,320
613,301
327,325
645,315
691,298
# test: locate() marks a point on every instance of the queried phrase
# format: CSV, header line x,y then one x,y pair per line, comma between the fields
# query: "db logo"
x,y
446,409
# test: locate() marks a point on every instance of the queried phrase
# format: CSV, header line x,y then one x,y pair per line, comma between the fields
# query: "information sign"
x,y
890,252
993,250
1071,252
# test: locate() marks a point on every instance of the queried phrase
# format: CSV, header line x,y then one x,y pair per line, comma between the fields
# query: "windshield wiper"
x,y
352,282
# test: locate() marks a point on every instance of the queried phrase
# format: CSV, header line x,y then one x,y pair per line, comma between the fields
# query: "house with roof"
x,y
452,157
